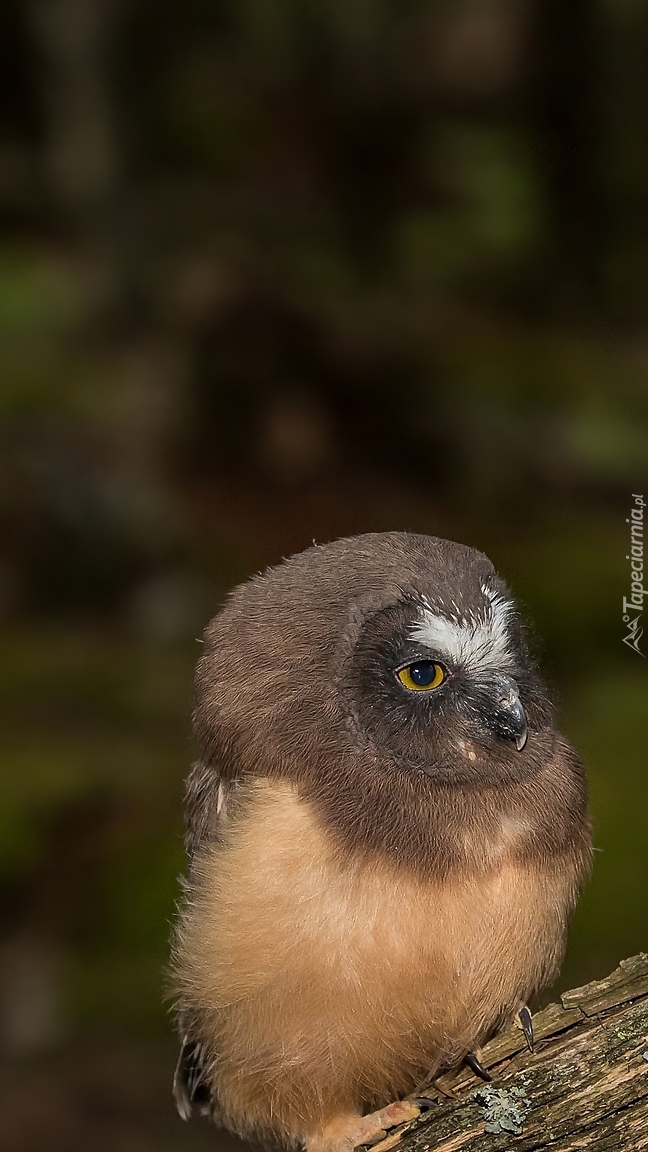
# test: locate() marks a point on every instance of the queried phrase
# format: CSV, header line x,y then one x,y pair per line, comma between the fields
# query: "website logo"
x,y
634,604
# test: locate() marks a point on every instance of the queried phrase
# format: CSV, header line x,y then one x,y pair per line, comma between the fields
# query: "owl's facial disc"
x,y
450,691
497,700
481,646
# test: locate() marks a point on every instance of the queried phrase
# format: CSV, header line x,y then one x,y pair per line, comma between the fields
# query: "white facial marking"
x,y
480,644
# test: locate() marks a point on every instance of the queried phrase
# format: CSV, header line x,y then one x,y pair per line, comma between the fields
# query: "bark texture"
x,y
585,1086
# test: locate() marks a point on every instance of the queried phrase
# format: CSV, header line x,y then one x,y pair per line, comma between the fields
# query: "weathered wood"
x,y
585,1086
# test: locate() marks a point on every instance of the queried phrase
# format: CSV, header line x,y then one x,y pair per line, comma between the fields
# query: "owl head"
x,y
389,656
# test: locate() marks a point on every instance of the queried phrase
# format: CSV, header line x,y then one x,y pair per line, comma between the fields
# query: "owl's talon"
x,y
476,1066
523,1018
425,1103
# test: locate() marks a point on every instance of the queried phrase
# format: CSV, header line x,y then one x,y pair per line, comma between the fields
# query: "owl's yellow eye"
x,y
422,676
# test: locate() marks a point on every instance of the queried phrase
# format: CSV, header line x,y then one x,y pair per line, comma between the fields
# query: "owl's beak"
x,y
508,717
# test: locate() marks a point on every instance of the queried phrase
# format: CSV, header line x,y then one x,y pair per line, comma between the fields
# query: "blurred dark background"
x,y
274,271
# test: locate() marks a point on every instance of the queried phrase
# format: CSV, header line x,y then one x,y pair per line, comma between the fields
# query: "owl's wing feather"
x,y
206,809
206,800
189,1084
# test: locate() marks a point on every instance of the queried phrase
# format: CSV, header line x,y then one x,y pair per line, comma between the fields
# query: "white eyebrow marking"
x,y
477,643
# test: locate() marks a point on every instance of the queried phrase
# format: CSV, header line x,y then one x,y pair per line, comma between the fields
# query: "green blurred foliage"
x,y
269,273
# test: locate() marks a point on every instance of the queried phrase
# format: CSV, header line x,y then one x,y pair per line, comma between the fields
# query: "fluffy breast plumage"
x,y
318,982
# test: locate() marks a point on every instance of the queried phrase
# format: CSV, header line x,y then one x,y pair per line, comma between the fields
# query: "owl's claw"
x,y
425,1103
476,1066
523,1017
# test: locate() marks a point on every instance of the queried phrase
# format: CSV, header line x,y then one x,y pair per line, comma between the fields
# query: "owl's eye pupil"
x,y
422,676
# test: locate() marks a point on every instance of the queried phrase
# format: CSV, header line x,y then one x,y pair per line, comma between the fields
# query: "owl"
x,y
386,836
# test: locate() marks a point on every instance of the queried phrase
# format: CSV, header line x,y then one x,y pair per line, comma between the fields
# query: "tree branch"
x,y
585,1086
